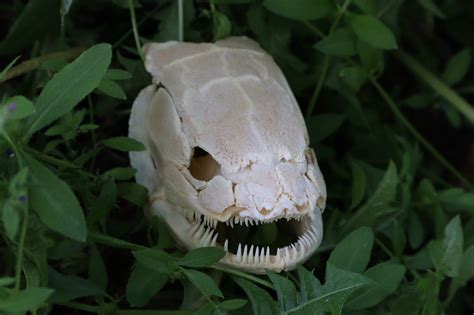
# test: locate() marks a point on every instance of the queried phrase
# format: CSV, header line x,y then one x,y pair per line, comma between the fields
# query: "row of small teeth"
x,y
208,221
207,236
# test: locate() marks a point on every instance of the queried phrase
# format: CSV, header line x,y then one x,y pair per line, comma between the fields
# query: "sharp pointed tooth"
x,y
306,240
268,256
251,222
231,222
236,220
193,228
251,257
199,232
226,245
294,251
278,255
245,255
246,222
215,223
256,256
214,239
206,238
313,236
238,256
286,252
227,223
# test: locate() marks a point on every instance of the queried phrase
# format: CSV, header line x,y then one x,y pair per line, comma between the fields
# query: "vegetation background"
x,y
385,86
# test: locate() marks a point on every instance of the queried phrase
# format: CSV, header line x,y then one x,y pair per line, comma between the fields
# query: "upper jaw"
x,y
194,230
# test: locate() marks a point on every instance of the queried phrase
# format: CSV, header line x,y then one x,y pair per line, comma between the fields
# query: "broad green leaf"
x,y
340,284
358,185
6,281
68,288
302,10
456,199
457,67
310,286
111,88
353,252
466,272
124,144
323,125
386,276
231,305
157,260
69,86
11,218
97,269
262,302
22,301
203,282
448,256
341,43
143,284
202,257
416,230
133,192
378,204
18,107
354,77
117,75
55,203
104,203
371,30
371,58
286,291
221,25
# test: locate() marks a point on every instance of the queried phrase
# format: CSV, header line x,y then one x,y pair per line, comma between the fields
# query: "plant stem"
x,y
34,63
94,139
314,29
21,247
437,85
180,21
245,276
326,62
50,159
114,242
399,115
135,30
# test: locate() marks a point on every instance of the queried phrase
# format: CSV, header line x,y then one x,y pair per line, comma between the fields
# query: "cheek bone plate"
x,y
227,153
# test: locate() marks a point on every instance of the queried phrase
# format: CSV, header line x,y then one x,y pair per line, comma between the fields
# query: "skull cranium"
x,y
227,146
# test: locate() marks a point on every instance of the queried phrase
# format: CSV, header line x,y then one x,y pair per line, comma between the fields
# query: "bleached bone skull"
x,y
226,147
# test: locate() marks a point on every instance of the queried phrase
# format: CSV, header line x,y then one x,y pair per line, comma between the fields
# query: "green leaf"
x,y
358,185
447,256
11,219
353,252
286,291
97,269
432,7
18,107
6,281
121,173
324,125
378,204
104,203
203,282
22,301
111,88
124,144
466,271
156,259
374,32
367,6
310,285
354,77
55,203
221,25
70,85
262,302
117,75
340,284
202,257
302,10
231,305
386,276
8,67
134,193
457,67
71,287
143,284
341,43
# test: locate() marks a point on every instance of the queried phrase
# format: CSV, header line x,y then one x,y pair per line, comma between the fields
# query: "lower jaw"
x,y
249,258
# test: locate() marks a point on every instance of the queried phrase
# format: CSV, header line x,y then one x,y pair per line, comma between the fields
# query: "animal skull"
x,y
227,146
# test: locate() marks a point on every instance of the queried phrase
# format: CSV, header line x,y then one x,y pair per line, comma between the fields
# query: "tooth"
x,y
278,255
251,258
227,223
256,256
238,257
268,256
307,240
214,240
226,245
246,222
294,251
206,239
193,228
313,235
251,222
245,254
236,220
286,252
214,224
199,232
231,222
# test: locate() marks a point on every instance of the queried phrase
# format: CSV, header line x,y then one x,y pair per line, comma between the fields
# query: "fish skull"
x,y
226,145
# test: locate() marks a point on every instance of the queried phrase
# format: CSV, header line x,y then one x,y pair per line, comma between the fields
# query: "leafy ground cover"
x,y
385,86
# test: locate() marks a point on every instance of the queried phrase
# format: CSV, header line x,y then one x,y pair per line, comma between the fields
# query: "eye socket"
x,y
203,166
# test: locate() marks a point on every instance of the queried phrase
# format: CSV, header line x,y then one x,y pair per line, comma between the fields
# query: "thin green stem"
x,y
135,29
114,242
326,62
50,159
437,85
384,248
180,21
245,276
314,29
21,247
94,139
399,115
